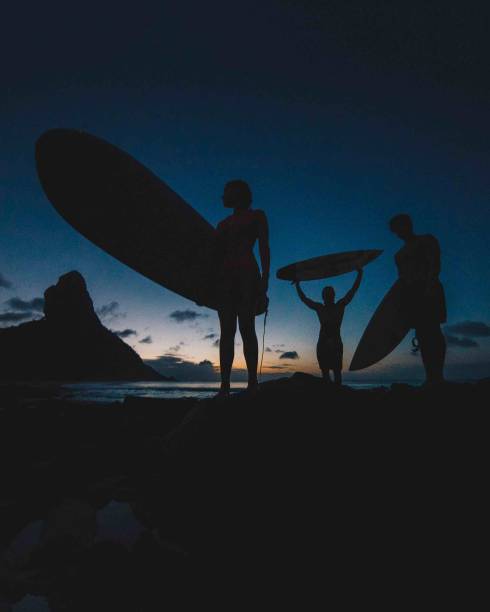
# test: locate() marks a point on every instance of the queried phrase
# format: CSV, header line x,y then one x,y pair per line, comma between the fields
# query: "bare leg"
x,y
439,348
322,362
326,376
246,322
433,351
227,320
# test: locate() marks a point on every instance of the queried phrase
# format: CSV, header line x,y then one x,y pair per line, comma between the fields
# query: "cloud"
x,y
111,311
180,316
461,342
289,355
15,303
125,333
15,317
216,343
183,370
146,340
268,349
209,336
473,329
175,349
6,284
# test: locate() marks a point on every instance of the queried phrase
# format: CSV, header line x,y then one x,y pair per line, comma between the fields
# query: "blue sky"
x,y
337,120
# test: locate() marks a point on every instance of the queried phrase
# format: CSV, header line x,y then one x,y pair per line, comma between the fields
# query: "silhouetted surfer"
x,y
242,288
424,304
329,348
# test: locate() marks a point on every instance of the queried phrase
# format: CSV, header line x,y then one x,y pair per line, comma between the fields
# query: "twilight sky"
x,y
338,116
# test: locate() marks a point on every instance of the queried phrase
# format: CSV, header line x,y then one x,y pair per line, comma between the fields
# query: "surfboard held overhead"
x,y
327,266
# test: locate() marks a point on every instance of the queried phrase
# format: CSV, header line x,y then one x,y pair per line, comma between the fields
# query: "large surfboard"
x,y
384,332
326,266
127,211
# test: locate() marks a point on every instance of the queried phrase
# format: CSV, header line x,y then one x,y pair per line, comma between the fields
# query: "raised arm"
x,y
304,299
353,290
264,250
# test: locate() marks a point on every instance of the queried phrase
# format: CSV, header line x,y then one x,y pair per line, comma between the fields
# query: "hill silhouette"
x,y
69,343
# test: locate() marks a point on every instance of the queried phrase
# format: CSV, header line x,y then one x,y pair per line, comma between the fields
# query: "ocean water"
x,y
116,391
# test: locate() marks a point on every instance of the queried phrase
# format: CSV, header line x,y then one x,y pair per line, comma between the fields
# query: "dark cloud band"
x,y
15,317
6,284
473,329
461,342
125,333
171,365
15,303
181,316
110,310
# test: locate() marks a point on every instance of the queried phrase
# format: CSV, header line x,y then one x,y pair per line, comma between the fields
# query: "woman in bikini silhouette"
x,y
243,288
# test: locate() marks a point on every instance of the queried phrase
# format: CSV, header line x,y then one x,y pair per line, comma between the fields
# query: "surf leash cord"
x,y
415,345
263,342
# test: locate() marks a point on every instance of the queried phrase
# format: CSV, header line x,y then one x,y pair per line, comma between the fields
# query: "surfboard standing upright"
x,y
127,211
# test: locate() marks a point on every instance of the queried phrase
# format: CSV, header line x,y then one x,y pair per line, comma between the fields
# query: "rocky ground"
x,y
154,503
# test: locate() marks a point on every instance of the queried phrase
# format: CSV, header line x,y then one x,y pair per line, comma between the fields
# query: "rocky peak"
x,y
69,301
70,343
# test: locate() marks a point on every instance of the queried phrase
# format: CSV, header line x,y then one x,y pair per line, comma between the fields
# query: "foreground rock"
x,y
151,503
69,343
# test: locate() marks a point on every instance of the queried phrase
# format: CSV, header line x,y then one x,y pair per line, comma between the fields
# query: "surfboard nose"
x,y
126,210
53,148
60,158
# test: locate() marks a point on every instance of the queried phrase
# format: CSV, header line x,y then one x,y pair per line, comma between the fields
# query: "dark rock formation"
x,y
301,484
69,343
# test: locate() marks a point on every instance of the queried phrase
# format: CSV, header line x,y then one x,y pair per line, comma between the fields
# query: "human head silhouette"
x,y
237,194
401,226
328,295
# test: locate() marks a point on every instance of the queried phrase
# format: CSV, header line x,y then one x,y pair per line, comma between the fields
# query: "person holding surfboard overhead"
x,y
243,289
423,300
329,348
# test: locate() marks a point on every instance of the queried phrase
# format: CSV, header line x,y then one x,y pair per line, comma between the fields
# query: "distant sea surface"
x,y
117,391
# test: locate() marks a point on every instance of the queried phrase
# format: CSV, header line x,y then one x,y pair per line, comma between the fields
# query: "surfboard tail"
x,y
384,332
360,361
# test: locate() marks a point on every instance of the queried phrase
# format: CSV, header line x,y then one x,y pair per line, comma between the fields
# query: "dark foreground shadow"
x,y
168,502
